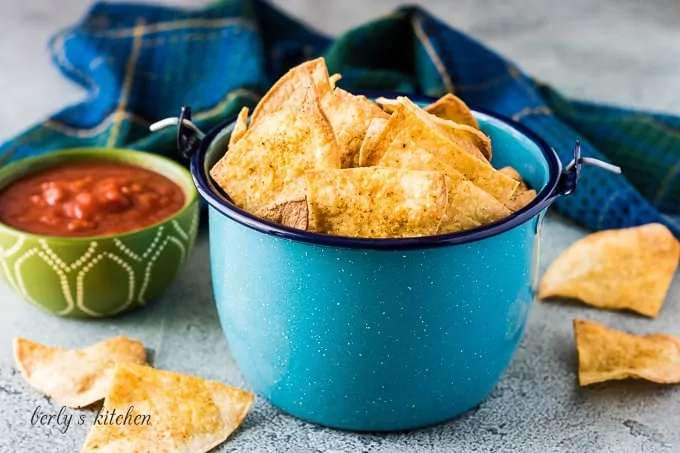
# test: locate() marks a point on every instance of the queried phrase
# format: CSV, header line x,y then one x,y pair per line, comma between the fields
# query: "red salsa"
x,y
89,198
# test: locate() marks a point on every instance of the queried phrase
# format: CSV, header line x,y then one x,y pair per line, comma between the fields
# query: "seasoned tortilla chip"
x,y
476,170
240,127
269,162
462,138
512,173
388,105
376,202
468,206
295,79
466,137
453,108
78,377
373,132
292,213
334,79
161,411
606,354
630,268
350,117
520,198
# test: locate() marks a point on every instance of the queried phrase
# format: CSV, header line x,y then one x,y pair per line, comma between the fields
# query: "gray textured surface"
x,y
619,51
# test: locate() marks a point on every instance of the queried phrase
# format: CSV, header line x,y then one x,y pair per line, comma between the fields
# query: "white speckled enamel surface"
x,y
621,51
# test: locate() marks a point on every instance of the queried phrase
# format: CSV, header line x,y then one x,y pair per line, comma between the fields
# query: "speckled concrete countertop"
x,y
617,51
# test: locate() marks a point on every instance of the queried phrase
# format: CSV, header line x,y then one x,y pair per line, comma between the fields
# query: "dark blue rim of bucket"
x,y
543,200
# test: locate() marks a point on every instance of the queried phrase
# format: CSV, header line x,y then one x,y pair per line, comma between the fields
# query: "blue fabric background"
x,y
141,63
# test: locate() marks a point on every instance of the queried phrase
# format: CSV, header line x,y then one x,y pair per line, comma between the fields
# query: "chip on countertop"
x,y
77,377
606,354
468,206
291,213
376,202
630,268
240,127
168,412
350,115
268,164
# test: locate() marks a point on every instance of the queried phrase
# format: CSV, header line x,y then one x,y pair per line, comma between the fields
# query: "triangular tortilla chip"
x,y
240,127
269,162
78,377
373,132
468,206
476,170
453,108
291,213
163,412
630,268
350,117
462,138
376,202
606,354
523,195
294,80
466,137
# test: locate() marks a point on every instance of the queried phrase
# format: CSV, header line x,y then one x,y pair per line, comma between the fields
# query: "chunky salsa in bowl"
x,y
95,232
89,198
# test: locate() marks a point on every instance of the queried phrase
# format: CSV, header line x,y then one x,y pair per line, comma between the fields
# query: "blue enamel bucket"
x,y
377,335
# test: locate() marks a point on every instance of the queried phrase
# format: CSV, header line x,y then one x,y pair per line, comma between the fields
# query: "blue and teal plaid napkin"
x,y
140,63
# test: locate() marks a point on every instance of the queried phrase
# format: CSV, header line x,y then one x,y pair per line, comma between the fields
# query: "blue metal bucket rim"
x,y
542,201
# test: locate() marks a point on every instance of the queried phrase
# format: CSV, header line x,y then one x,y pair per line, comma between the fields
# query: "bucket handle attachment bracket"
x,y
189,136
572,172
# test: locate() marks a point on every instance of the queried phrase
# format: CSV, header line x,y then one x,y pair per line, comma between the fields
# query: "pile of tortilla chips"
x,y
156,410
318,158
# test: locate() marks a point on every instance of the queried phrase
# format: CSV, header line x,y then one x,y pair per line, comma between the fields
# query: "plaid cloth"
x,y
140,63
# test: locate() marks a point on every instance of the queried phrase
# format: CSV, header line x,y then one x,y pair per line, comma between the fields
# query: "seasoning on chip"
x,y
269,162
350,117
376,202
459,135
630,268
295,79
606,354
240,127
291,213
78,377
168,412
468,206
453,108
373,132
476,170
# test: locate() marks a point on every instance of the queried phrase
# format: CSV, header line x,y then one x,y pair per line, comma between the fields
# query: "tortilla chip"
x,y
466,137
520,198
78,377
376,202
388,105
350,117
269,162
511,173
240,127
630,268
291,213
295,79
476,170
468,206
334,79
606,354
460,138
373,132
168,412
453,108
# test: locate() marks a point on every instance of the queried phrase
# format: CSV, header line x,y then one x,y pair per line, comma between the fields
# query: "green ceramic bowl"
x,y
104,275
